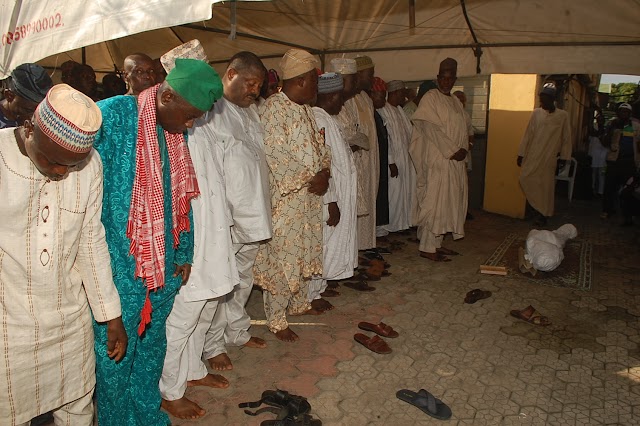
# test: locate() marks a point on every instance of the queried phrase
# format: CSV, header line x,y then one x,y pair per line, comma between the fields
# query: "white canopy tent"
x,y
406,38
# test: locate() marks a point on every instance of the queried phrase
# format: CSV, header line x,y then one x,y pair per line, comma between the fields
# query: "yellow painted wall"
x,y
512,99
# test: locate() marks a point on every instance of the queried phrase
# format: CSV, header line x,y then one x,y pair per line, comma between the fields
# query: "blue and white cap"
x,y
69,118
330,82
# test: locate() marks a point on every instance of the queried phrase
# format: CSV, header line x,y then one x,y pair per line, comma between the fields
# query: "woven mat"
x,y
574,272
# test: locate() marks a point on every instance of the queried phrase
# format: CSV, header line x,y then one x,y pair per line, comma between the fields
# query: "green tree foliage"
x,y
624,92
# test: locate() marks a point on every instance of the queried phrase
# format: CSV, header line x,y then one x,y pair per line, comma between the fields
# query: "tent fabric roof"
x,y
514,36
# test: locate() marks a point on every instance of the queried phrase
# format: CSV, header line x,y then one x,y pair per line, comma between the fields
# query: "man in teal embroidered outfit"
x,y
148,184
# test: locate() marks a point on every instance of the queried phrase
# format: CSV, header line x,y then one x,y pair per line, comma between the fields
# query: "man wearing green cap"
x,y
149,182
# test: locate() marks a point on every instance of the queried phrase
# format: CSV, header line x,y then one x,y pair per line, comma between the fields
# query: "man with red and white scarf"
x,y
149,181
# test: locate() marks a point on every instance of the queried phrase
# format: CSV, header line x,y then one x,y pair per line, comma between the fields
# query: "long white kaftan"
x,y
368,165
239,131
547,135
214,272
400,194
340,243
347,121
439,132
54,264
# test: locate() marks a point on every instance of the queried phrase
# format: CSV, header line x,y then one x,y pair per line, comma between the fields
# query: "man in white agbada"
x,y
401,186
367,162
548,136
54,263
439,147
236,129
213,275
340,245
347,121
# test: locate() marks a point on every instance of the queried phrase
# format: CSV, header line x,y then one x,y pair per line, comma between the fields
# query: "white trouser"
x,y
230,325
187,326
317,286
74,413
382,231
429,242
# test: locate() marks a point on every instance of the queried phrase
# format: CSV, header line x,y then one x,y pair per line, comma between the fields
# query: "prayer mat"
x,y
574,272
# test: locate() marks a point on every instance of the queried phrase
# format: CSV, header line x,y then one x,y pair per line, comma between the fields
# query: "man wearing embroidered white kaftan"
x,y
438,149
367,162
54,263
213,275
339,212
401,185
299,175
546,139
347,121
235,128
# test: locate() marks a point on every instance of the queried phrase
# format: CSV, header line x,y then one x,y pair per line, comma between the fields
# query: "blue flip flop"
x,y
425,402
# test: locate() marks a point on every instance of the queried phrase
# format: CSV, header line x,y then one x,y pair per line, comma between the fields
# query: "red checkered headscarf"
x,y
379,85
145,227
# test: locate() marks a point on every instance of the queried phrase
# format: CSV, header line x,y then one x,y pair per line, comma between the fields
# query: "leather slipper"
x,y
476,294
381,329
534,317
375,343
359,286
426,402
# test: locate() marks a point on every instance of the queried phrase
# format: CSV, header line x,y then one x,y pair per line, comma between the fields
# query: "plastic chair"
x,y
568,174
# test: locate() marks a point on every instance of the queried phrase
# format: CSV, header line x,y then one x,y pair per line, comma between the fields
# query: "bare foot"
x,y
436,257
211,380
220,362
183,408
321,305
287,335
256,342
330,293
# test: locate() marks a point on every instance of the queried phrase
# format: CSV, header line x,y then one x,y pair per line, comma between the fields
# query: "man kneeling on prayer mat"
x,y
298,178
54,264
340,247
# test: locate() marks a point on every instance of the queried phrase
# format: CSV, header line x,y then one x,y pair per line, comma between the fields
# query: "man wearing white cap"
x,y
299,175
439,146
623,139
340,246
401,185
547,136
54,269
347,120
367,162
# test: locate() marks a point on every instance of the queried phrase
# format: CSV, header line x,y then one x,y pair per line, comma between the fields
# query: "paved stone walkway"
x,y
490,368
487,366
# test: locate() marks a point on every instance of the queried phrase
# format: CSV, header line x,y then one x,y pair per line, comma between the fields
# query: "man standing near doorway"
x,y
438,149
547,136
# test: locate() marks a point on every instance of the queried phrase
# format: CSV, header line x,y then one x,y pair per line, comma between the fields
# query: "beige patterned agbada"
x,y
295,152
